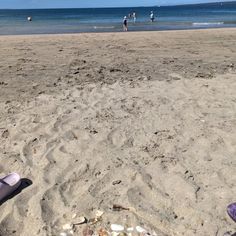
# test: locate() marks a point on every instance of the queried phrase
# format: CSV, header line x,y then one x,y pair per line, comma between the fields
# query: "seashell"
x,y
71,232
231,209
99,213
130,229
67,226
74,216
80,220
140,229
93,220
116,227
63,234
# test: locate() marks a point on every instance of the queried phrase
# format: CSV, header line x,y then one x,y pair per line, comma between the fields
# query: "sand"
x,y
146,120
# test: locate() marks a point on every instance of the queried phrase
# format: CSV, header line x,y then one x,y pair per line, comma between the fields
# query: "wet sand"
x,y
146,120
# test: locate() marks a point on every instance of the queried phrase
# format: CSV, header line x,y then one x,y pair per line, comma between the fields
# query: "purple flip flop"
x,y
231,209
9,184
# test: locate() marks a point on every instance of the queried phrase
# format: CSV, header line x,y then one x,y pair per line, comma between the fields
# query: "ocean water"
x,y
51,21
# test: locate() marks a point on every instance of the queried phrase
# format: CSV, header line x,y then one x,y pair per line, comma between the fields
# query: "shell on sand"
x,y
67,226
63,234
99,213
140,229
116,227
80,220
130,229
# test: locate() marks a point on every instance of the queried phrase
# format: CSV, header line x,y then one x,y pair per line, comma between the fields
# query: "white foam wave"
x,y
207,23
104,27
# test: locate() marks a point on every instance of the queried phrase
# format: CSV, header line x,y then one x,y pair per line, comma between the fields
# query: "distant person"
x,y
29,18
134,17
125,24
152,17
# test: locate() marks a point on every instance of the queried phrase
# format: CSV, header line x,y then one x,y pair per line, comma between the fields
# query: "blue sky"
x,y
91,3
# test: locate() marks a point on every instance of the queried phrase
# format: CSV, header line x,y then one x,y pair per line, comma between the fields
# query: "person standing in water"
x,y
125,24
134,17
152,17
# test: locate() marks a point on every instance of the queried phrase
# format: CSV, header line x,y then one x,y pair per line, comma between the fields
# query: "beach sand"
x,y
145,119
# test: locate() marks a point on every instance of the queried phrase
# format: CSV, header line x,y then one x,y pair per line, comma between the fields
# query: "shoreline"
x,y
120,32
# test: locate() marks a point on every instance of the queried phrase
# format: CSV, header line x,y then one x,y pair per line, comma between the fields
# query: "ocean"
x,y
52,21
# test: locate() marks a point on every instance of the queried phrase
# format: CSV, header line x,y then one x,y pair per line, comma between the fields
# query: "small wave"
x,y
104,27
207,23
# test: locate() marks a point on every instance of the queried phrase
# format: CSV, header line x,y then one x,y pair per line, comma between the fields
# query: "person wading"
x,y
152,17
125,24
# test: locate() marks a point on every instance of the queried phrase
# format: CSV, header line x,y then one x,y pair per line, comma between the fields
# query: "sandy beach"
x,y
145,120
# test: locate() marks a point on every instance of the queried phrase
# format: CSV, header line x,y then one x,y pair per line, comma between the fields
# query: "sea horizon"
x,y
174,5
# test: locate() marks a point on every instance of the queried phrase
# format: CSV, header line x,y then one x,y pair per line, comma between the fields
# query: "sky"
x,y
15,4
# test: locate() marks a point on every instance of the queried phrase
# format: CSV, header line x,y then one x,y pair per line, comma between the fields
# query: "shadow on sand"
x,y
25,183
